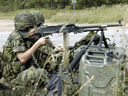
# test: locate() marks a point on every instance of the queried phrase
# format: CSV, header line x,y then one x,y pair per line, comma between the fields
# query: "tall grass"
x,y
11,14
94,15
102,14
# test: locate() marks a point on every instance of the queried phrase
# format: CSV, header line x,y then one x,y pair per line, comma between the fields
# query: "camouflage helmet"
x,y
38,16
23,20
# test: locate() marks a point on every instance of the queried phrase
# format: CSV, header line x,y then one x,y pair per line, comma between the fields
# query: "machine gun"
x,y
55,84
45,30
71,27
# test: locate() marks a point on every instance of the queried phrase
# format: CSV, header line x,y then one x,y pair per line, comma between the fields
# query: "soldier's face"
x,y
31,30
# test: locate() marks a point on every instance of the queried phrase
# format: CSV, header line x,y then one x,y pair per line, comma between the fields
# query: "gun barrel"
x,y
75,61
99,26
113,25
49,84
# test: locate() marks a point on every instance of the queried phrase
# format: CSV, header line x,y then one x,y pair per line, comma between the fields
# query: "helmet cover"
x,y
24,20
38,16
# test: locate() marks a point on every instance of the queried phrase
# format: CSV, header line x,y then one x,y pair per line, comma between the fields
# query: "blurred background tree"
x,y
11,5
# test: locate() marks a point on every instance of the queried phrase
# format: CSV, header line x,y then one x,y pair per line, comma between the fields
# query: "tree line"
x,y
10,5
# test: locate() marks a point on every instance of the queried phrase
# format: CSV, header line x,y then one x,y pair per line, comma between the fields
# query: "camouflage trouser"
x,y
31,76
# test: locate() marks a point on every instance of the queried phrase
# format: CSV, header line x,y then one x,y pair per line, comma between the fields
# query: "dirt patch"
x,y
6,25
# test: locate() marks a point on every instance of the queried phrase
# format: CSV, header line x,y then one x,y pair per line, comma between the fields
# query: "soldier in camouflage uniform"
x,y
25,58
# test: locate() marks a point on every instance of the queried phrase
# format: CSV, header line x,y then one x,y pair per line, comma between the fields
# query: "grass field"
x,y
102,14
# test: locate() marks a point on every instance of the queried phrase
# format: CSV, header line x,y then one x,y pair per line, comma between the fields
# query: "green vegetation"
x,y
93,15
11,5
11,14
87,11
102,14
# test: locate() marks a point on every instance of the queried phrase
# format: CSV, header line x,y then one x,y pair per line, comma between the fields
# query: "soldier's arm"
x,y
25,56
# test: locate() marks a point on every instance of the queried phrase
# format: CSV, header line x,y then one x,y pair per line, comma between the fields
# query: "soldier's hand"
x,y
60,49
42,40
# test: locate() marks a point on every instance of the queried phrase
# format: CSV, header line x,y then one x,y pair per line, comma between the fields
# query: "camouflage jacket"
x,y
12,65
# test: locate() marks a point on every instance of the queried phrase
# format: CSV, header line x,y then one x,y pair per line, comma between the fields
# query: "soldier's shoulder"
x,y
15,35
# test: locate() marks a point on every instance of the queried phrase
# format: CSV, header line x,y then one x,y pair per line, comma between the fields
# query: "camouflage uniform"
x,y
45,50
13,67
56,60
18,73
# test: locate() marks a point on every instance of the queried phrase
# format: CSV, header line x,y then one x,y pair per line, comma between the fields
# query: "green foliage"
x,y
91,15
101,14
10,5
